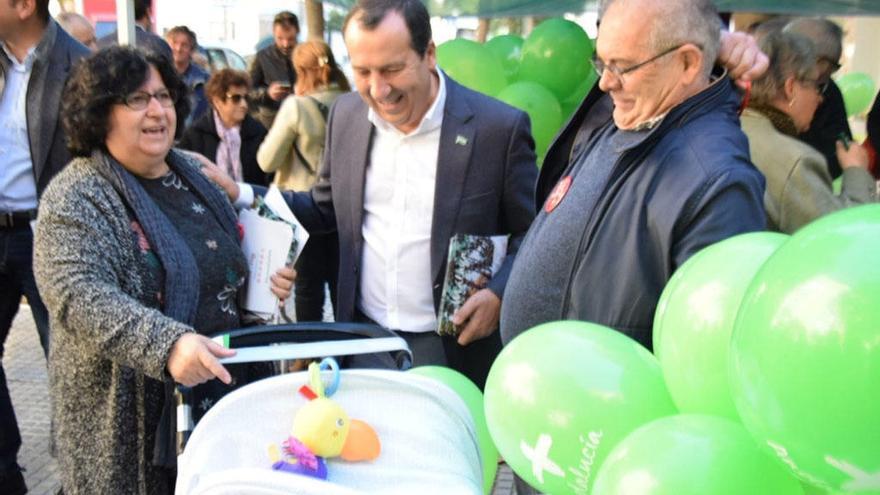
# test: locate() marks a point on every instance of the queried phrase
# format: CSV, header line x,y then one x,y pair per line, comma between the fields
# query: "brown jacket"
x,y
299,123
798,181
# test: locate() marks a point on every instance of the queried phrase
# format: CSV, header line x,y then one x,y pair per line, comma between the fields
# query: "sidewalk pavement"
x,y
28,383
29,386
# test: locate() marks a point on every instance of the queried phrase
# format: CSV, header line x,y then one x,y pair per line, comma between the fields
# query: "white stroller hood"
x,y
429,443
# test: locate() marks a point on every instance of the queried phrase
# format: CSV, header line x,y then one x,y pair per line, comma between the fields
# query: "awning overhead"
x,y
497,8
803,7
514,8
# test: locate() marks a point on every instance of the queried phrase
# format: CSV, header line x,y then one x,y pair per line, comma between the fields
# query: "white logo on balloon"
x,y
859,479
539,455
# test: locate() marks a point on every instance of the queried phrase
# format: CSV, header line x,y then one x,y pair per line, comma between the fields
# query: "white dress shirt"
x,y
18,188
396,284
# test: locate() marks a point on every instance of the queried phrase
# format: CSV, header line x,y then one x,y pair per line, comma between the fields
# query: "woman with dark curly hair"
x,y
227,134
136,256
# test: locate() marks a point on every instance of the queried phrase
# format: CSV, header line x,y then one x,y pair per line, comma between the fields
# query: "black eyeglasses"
x,y
140,100
235,97
601,66
820,87
833,64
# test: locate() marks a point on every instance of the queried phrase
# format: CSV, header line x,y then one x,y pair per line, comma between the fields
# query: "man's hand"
x,y
221,178
278,91
282,283
193,360
479,314
741,57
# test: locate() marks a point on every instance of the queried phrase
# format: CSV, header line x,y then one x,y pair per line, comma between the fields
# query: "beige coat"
x,y
299,121
798,182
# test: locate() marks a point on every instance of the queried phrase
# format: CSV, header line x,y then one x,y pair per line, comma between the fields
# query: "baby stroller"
x,y
428,438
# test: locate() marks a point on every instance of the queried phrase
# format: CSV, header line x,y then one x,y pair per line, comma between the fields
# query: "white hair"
x,y
675,22
826,36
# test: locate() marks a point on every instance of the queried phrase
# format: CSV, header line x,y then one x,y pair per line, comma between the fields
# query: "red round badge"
x,y
558,193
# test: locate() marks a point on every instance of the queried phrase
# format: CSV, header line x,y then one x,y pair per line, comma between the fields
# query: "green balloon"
x,y
556,55
805,355
695,317
692,454
574,100
473,398
472,65
507,48
542,107
814,490
837,185
858,92
562,394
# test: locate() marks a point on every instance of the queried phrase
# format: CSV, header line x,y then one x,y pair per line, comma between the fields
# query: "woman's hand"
x,y
854,157
282,282
193,360
216,174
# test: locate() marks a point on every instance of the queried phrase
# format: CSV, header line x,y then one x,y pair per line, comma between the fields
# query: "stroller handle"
x,y
312,349
295,341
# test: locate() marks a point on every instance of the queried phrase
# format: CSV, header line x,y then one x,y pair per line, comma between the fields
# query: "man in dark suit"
x,y
411,161
144,36
36,58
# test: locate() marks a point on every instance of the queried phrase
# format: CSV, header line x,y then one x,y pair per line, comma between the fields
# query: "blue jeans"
x,y
16,280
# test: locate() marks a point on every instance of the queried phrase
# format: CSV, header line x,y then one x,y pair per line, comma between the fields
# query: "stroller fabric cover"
x,y
428,439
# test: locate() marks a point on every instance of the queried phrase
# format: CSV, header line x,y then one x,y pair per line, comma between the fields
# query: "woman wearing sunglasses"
x,y
783,103
227,134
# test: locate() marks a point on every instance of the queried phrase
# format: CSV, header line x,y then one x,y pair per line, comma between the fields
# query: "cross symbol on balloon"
x,y
539,455
859,479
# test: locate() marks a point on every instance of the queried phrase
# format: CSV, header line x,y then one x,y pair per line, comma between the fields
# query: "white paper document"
x,y
266,244
275,201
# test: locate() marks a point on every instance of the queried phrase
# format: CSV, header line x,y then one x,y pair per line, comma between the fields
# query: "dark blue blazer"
x,y
56,54
484,185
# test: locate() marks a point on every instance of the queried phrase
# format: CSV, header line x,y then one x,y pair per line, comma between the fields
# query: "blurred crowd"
x,y
121,170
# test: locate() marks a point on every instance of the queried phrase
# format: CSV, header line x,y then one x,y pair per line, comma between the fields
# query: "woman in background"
x,y
293,150
782,104
227,134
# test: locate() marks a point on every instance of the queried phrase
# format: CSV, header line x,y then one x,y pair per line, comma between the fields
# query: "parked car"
x,y
219,57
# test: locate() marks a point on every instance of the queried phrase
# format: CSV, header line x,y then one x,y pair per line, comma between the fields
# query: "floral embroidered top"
x,y
222,266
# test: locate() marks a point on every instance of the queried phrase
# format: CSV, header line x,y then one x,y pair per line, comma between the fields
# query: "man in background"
x,y
830,120
144,36
183,42
272,73
80,28
36,57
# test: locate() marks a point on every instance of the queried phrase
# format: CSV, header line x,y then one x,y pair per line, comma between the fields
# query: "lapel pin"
x,y
461,140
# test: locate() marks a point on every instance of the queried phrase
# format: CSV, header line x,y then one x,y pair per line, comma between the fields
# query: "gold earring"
x,y
791,102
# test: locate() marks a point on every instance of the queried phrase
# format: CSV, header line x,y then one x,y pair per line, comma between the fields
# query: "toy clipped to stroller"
x,y
332,431
322,429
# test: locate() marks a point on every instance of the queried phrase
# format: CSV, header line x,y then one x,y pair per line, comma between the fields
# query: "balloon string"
x,y
747,95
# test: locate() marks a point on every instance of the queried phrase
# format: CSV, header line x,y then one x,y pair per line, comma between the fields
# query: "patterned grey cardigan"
x,y
109,342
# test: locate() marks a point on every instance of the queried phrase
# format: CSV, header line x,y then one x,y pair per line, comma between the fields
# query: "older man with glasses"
x,y
647,175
